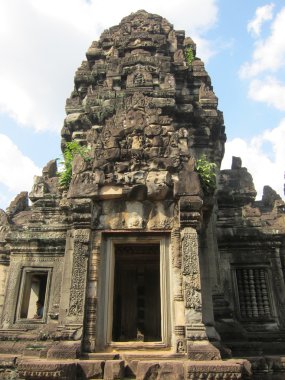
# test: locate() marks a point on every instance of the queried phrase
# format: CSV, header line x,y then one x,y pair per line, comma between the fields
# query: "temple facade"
x,y
131,263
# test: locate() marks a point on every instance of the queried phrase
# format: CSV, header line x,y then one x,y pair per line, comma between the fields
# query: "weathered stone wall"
x,y
250,241
142,113
3,277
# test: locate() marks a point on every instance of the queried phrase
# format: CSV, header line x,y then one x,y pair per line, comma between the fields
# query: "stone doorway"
x,y
134,295
136,300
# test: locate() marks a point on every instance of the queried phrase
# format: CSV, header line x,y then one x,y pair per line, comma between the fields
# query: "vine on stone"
x,y
71,150
207,174
189,55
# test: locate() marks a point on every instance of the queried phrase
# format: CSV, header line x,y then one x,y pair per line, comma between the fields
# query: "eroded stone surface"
x,y
143,115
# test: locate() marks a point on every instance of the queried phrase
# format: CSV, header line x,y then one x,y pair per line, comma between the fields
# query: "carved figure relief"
x,y
139,80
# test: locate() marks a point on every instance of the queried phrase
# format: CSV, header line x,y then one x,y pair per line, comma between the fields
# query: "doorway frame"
x,y
29,271
106,291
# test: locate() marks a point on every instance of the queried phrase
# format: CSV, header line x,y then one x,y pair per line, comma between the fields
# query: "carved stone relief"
x,y
79,272
190,269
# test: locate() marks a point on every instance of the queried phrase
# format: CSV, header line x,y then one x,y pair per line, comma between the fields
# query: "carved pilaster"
x,y
79,273
90,327
190,269
91,307
176,251
198,346
176,263
279,286
11,289
190,210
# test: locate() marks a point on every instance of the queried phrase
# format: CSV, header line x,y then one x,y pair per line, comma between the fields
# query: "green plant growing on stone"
x,y
207,174
71,150
189,55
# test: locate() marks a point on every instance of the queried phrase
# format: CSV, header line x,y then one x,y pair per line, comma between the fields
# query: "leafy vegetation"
x,y
71,150
189,55
207,174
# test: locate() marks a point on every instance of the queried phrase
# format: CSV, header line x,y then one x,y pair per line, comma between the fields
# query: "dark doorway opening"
x,y
34,291
136,302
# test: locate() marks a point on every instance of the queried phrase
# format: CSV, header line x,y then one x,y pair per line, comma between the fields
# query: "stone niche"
x,y
139,269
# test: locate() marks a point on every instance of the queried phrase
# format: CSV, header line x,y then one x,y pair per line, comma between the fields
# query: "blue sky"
x,y
44,41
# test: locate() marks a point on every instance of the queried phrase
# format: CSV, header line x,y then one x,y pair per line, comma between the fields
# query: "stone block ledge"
x,y
33,369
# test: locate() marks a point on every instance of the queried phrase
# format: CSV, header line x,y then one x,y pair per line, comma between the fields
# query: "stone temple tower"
x,y
140,269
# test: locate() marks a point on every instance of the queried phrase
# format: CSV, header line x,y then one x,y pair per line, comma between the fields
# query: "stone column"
x,y
209,276
198,346
178,299
74,276
73,297
79,275
4,267
10,303
92,295
279,286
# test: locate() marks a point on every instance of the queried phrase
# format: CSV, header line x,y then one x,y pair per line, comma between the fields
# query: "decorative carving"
x,y
190,260
11,290
94,264
179,330
192,297
176,262
47,370
195,332
91,321
142,132
139,79
211,372
178,288
180,346
206,94
77,291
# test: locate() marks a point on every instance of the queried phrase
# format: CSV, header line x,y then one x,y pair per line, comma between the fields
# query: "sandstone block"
x,y
151,370
202,351
32,370
91,369
114,369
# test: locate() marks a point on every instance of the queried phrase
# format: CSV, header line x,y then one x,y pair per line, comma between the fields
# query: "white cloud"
x,y
84,15
205,48
268,90
16,169
269,54
262,14
44,41
266,168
